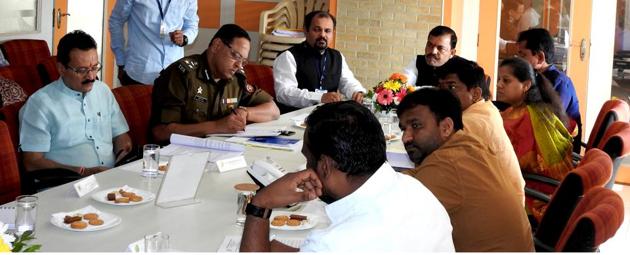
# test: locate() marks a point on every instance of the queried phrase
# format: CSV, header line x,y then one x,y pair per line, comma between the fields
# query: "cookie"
x,y
297,217
111,196
122,200
135,199
90,216
78,224
281,217
294,223
69,219
128,194
96,222
278,223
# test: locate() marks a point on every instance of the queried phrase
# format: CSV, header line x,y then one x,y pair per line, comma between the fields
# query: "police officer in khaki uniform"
x,y
207,93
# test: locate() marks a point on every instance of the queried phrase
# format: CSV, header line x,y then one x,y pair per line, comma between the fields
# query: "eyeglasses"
x,y
235,55
85,70
440,48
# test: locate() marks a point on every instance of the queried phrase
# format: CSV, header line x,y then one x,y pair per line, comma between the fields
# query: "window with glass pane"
x,y
621,61
520,15
18,16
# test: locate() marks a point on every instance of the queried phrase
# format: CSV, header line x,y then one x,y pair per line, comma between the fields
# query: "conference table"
x,y
199,227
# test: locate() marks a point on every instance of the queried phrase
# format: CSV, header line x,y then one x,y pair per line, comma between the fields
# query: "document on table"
x,y
7,215
205,143
255,131
215,155
279,143
233,243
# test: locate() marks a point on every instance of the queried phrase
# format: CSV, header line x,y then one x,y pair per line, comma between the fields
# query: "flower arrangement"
x,y
387,94
16,243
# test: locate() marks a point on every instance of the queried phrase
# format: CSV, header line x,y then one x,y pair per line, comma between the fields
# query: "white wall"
x,y
44,20
601,60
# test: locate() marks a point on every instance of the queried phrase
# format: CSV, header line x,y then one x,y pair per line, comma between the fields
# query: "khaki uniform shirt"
x,y
467,178
186,93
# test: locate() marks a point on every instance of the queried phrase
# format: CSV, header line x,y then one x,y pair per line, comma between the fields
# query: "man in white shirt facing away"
x,y
371,207
310,73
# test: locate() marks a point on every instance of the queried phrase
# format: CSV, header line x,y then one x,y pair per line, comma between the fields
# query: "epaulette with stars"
x,y
186,65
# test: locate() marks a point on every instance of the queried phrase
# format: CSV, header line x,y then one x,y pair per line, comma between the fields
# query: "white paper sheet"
x,y
233,243
205,143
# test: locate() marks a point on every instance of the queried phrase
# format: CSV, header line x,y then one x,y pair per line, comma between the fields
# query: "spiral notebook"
x,y
7,215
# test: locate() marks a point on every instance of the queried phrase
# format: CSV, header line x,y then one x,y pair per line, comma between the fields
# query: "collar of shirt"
x,y
63,88
340,210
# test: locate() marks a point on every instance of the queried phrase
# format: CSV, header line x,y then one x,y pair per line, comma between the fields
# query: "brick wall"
x,y
379,37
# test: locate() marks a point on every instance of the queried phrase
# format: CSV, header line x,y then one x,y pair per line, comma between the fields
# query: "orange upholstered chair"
x,y
135,104
260,76
48,70
613,110
25,75
9,171
25,51
594,171
595,219
616,142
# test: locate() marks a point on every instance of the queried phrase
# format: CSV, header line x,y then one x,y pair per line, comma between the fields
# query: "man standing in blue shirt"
x,y
74,122
157,32
536,46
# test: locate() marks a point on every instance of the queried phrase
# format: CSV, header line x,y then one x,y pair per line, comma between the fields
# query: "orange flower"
x,y
398,76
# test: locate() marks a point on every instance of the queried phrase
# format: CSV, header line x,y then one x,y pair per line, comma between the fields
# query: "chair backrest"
x,y
261,76
10,115
47,69
613,110
25,51
594,171
616,143
135,104
9,171
596,219
26,76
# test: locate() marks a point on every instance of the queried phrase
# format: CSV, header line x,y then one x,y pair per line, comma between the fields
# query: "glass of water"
x,y
26,213
246,192
150,160
156,243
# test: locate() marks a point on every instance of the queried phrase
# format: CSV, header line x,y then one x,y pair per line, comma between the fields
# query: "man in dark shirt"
x,y
440,48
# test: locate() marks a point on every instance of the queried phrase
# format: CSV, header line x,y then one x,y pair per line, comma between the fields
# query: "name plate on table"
x,y
179,186
232,163
86,185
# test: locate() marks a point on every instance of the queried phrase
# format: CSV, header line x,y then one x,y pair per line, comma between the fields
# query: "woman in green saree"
x,y
536,125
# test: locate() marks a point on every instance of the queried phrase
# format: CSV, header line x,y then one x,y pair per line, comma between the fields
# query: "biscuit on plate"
x,y
96,222
135,198
294,223
111,196
281,217
297,217
278,223
122,200
69,219
90,216
78,224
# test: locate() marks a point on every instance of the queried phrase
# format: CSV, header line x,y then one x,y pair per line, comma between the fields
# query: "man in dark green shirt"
x,y
207,93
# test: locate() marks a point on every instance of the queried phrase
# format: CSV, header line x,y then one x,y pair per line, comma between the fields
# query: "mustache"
x,y
322,39
87,81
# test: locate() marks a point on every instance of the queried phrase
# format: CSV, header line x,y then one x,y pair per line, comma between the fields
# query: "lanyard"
x,y
322,70
162,13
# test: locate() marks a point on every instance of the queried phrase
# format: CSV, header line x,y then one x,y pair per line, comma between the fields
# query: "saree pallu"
x,y
543,147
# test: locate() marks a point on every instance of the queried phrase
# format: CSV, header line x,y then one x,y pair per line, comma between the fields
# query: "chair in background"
x,y
594,171
261,76
9,171
135,104
612,110
595,219
48,70
286,15
25,51
616,142
25,75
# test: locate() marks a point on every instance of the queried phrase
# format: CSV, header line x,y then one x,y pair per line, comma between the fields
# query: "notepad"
x,y
7,215
205,143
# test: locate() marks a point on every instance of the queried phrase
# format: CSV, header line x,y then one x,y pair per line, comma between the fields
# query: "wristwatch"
x,y
256,211
185,41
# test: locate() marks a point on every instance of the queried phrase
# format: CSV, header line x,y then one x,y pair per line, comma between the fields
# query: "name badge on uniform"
x,y
162,29
200,99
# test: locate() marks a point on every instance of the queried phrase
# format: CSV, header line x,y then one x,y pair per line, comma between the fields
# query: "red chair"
x,y
261,76
25,51
135,104
10,115
48,70
25,75
9,171
613,110
616,142
594,171
596,219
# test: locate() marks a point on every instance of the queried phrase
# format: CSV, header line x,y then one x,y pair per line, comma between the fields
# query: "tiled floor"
x,y
620,243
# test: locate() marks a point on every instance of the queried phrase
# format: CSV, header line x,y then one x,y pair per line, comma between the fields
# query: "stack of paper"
x,y
269,142
205,143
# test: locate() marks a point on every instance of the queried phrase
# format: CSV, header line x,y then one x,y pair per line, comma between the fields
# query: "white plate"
x,y
109,219
299,123
310,222
101,196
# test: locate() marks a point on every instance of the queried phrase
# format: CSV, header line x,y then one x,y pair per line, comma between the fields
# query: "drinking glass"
x,y
246,192
26,213
156,242
150,160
